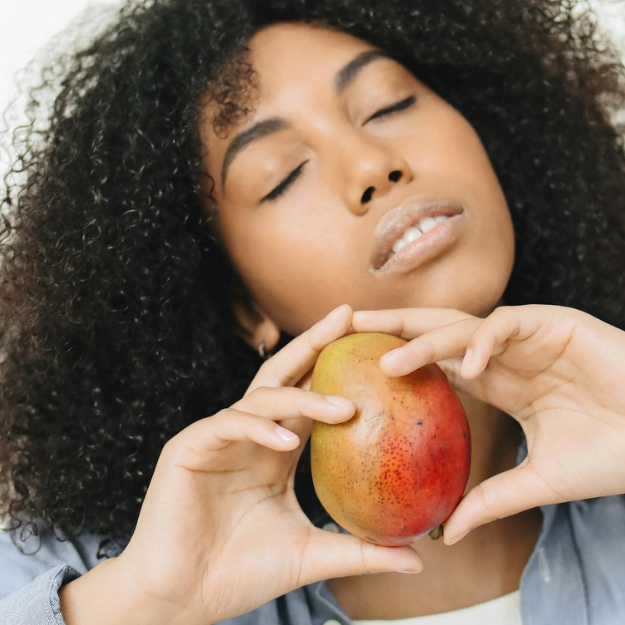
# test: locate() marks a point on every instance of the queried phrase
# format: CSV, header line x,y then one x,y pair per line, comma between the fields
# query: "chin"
x,y
476,305
485,311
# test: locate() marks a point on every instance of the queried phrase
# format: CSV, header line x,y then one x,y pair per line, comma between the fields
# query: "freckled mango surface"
x,y
399,466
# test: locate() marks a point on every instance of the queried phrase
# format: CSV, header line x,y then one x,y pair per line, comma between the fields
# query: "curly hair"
x,y
115,325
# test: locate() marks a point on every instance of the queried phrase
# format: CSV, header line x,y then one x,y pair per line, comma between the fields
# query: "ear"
x,y
254,324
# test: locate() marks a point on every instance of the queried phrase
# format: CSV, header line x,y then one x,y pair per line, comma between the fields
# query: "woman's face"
x,y
332,150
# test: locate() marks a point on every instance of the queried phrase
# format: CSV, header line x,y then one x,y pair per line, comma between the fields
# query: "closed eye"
x,y
284,185
400,106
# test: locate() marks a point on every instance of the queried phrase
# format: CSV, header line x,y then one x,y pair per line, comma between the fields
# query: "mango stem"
x,y
436,533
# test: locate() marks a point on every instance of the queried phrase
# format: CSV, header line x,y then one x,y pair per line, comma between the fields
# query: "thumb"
x,y
500,496
338,555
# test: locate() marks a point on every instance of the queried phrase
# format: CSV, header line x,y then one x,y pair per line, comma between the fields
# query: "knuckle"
x,y
169,447
173,450
482,326
304,408
366,552
231,422
429,351
501,311
218,417
312,405
481,494
286,380
225,417
261,391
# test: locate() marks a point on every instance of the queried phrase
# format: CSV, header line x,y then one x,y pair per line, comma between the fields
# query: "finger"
x,y
339,555
442,343
292,362
477,338
406,323
194,446
288,405
491,336
500,496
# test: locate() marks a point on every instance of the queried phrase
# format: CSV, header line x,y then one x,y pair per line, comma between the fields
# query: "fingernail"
x,y
453,541
407,571
284,434
468,359
337,401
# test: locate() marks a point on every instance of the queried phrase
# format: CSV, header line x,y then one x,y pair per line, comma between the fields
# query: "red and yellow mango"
x,y
396,470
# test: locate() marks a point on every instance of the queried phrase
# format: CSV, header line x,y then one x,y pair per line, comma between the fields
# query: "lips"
x,y
399,219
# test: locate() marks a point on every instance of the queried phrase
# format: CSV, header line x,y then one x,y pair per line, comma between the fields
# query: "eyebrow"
x,y
343,78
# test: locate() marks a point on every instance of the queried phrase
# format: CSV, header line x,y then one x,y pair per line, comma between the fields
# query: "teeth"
x,y
416,231
427,223
412,234
399,245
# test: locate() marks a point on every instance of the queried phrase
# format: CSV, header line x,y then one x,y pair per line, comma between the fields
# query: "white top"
x,y
504,610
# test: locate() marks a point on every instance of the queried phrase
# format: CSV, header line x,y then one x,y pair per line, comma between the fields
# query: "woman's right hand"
x,y
220,531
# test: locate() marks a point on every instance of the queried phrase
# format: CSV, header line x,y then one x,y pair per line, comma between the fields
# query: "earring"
x,y
261,351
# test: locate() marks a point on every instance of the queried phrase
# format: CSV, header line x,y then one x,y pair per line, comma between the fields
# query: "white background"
x,y
26,26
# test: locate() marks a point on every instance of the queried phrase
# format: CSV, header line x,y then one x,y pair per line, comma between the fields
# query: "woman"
x,y
218,177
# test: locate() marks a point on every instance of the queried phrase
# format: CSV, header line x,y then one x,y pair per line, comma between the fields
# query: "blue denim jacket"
x,y
575,575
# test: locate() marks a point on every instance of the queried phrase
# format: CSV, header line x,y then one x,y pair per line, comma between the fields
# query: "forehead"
x,y
295,65
283,53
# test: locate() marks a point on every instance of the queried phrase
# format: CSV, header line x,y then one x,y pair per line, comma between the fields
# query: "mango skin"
x,y
399,466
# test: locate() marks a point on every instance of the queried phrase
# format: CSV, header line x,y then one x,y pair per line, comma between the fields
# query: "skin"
x,y
308,251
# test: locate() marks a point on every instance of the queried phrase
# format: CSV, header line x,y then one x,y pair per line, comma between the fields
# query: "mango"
x,y
397,469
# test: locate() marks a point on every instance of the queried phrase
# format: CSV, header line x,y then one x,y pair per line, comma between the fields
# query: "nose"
x,y
373,170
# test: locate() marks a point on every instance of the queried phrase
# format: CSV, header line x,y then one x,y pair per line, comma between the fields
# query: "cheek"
x,y
297,271
307,241
448,145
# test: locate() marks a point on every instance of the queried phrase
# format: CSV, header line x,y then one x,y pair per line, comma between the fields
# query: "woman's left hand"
x,y
558,371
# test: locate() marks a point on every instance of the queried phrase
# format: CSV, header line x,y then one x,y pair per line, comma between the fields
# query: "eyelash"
x,y
285,184
400,106
294,175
